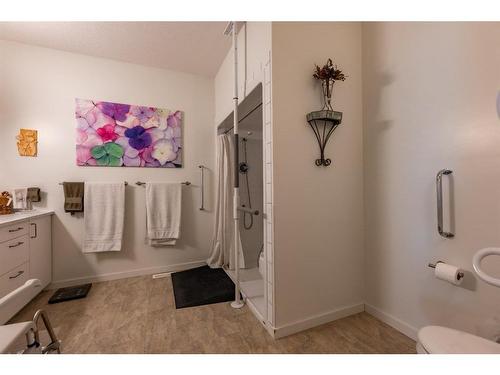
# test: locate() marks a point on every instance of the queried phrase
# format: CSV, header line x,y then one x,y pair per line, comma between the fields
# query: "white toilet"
x,y
442,340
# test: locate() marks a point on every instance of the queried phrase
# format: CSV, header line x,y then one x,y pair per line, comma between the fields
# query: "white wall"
x,y
318,211
254,47
38,88
429,103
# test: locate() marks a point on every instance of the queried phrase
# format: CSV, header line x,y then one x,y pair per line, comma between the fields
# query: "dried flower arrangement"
x,y
328,74
329,71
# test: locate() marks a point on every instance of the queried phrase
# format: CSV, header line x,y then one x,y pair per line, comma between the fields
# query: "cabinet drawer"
x,y
13,231
13,253
13,279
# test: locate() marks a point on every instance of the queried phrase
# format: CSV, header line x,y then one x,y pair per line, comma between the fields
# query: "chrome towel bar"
x,y
140,183
439,192
125,182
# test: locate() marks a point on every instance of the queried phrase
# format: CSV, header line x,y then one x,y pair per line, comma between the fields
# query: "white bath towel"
x,y
163,213
103,217
20,199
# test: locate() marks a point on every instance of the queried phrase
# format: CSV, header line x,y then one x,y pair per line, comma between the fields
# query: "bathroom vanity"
x,y
25,253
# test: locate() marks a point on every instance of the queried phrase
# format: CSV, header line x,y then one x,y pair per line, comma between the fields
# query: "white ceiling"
x,y
191,47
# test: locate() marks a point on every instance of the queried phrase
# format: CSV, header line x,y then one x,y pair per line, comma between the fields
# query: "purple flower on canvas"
x,y
113,134
138,137
148,158
115,110
142,113
174,119
131,156
163,151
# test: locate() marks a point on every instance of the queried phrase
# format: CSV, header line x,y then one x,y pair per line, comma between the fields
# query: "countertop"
x,y
24,215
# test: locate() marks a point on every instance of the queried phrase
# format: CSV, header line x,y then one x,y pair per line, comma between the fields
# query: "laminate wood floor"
x,y
138,315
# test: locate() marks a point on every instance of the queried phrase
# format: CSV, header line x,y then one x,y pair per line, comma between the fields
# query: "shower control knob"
x,y
243,167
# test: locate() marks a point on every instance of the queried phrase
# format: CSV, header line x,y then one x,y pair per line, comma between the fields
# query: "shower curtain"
x,y
222,250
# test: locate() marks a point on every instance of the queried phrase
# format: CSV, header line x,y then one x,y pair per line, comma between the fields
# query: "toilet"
x,y
442,340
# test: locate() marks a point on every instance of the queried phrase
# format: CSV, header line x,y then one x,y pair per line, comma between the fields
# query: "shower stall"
x,y
249,167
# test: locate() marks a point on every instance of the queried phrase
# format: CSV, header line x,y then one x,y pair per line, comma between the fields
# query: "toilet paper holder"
x,y
433,265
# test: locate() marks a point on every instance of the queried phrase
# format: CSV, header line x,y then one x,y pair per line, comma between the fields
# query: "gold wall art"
x,y
27,142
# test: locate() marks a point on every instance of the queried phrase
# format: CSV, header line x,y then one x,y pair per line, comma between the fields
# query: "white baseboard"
x,y
125,274
394,322
317,320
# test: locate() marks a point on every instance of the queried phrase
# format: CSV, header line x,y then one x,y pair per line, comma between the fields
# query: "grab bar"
x,y
55,343
439,192
202,208
248,210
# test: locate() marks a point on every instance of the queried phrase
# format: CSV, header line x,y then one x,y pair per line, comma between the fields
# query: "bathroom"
x,y
357,220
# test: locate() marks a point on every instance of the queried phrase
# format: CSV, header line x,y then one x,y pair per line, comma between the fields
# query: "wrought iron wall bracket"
x,y
323,123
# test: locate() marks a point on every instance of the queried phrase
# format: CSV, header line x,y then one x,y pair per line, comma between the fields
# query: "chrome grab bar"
x,y
439,192
248,210
202,208
55,343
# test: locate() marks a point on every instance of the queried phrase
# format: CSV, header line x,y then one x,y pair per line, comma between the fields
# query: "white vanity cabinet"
x,y
25,253
41,249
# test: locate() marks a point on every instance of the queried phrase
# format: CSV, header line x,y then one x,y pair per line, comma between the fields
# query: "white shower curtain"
x,y
222,250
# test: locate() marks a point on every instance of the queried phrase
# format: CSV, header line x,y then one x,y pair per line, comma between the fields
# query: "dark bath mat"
x,y
70,293
202,286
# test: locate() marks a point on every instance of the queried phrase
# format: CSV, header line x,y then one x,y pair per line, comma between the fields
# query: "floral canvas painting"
x,y
124,135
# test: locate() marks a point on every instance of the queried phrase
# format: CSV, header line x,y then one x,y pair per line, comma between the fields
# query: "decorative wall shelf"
x,y
323,123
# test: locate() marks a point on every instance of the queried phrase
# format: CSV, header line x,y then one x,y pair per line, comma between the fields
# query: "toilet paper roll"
x,y
449,273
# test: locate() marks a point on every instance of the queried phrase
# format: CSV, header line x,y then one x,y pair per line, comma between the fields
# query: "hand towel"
x,y
104,217
19,199
34,194
73,196
163,213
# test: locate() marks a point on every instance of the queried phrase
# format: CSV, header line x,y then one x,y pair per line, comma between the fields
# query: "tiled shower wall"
x,y
268,189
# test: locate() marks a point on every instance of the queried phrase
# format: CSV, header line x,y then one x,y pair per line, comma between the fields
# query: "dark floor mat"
x,y
202,286
70,293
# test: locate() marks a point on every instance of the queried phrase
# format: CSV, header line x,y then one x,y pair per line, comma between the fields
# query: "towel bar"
x,y
140,183
125,182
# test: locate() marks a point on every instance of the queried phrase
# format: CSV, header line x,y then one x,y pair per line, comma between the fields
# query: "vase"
x,y
327,86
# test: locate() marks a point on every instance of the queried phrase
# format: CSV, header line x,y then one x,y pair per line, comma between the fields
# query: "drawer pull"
x,y
33,225
15,230
16,245
19,273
